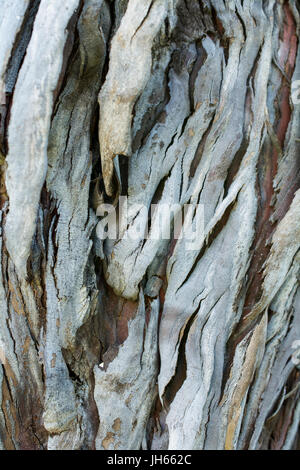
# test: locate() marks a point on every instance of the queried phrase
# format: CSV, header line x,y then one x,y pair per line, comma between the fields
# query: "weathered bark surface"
x,y
126,344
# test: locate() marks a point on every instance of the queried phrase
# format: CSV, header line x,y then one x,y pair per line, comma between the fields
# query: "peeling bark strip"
x,y
29,126
128,73
143,344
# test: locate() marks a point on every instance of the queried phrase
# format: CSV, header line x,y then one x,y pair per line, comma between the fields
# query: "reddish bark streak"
x,y
268,164
114,320
269,213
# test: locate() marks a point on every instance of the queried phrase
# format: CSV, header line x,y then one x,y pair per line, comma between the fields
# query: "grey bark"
x,y
130,344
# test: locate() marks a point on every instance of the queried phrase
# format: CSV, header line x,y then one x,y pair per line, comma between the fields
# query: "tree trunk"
x,y
133,343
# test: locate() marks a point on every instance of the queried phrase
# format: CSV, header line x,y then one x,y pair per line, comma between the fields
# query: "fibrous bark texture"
x,y
144,344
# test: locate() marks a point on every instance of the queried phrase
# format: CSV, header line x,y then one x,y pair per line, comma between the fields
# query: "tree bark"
x,y
130,344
